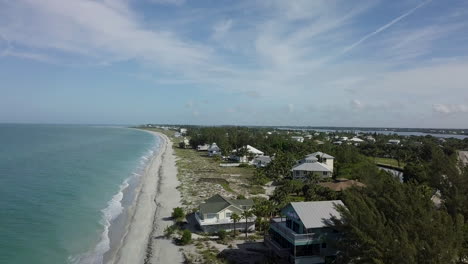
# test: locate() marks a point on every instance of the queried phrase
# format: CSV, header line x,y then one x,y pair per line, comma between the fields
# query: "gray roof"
x,y
315,214
264,159
314,166
217,203
321,154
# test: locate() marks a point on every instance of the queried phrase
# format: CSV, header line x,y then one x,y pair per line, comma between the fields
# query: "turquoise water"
x,y
60,188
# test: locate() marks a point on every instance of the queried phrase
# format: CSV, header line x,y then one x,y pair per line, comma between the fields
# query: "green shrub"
x,y
222,234
178,214
186,237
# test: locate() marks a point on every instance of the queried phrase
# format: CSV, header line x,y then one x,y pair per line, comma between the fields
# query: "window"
x,y
295,227
324,245
325,173
288,223
228,215
211,215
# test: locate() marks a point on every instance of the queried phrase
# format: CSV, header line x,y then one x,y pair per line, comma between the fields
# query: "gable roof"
x,y
308,166
218,203
251,150
315,214
321,154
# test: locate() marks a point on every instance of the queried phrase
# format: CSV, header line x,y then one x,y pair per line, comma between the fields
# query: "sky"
x,y
401,63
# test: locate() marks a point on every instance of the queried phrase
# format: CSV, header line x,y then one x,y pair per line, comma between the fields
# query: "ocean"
x,y
63,187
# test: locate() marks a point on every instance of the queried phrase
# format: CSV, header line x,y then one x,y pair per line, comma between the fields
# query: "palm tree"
x,y
246,215
235,218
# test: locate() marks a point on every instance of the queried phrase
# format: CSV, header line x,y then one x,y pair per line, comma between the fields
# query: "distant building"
x,y
306,235
204,147
298,138
214,150
183,131
215,214
394,142
261,161
317,163
250,151
370,139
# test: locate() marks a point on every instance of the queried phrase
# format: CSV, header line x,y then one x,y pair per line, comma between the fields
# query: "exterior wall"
x,y
217,227
329,164
303,174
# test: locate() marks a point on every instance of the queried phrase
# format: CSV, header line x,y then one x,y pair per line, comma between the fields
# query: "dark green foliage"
x,y
178,214
186,237
396,223
222,234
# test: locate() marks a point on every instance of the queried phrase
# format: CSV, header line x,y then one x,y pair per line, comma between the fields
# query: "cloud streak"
x,y
384,27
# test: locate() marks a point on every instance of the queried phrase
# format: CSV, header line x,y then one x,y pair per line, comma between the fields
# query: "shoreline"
x,y
143,240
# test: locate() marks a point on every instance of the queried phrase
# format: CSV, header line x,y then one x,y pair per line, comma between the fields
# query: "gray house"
x,y
215,214
305,235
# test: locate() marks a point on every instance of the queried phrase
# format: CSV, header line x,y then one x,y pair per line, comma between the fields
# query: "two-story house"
x,y
305,235
317,163
215,214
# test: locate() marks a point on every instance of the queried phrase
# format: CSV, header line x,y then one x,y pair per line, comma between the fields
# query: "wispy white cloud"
x,y
257,49
450,108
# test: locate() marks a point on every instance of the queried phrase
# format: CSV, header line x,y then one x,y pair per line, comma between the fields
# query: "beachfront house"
x,y
214,150
317,163
245,154
215,214
304,233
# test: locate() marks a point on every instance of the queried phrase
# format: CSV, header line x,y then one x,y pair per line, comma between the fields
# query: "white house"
x,y
370,139
356,140
204,147
215,214
298,138
317,163
251,153
394,142
214,150
183,131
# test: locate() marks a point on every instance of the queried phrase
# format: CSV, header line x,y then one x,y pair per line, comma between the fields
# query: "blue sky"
x,y
256,62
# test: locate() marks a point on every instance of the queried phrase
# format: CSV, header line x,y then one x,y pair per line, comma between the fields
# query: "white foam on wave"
x,y
111,212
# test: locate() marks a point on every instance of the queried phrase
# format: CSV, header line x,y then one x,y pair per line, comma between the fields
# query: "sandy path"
x,y
143,242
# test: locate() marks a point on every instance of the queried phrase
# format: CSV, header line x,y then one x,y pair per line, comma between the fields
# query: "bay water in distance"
x,y
62,188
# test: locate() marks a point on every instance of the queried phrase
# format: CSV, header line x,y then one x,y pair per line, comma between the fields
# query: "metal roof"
x,y
217,203
308,166
321,154
316,214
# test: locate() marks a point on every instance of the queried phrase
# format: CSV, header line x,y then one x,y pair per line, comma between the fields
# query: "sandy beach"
x,y
143,241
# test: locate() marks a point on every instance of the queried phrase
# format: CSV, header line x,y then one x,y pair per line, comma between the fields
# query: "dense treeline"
x,y
385,222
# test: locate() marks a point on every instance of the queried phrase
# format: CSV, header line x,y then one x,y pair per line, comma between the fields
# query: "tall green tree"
x,y
396,223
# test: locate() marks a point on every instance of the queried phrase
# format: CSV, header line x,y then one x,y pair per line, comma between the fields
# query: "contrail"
x,y
394,21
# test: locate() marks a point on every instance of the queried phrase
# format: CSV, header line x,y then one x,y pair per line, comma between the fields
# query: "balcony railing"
x,y
289,234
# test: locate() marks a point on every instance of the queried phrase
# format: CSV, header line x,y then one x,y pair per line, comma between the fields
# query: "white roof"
x,y
356,139
308,166
314,214
252,150
321,154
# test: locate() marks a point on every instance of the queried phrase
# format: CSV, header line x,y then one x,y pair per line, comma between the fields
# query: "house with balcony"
x,y
215,214
317,163
305,234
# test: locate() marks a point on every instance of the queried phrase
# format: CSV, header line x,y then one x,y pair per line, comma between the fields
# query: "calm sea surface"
x,y
61,187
